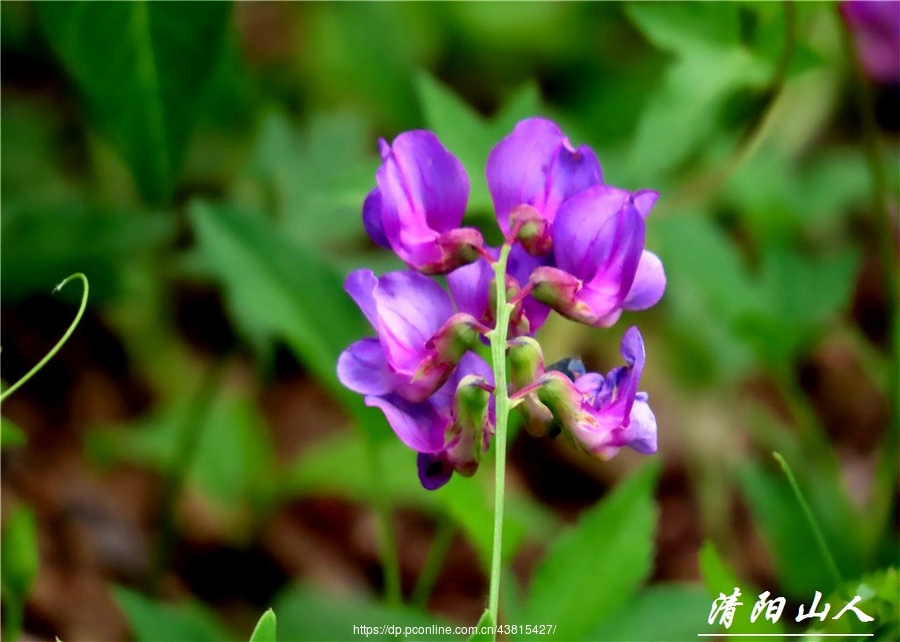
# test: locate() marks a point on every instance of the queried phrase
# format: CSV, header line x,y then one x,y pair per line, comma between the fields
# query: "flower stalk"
x,y
502,404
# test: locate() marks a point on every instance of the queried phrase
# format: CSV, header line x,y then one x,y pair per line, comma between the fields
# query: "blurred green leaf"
x,y
595,568
141,67
721,580
265,628
485,621
153,621
661,612
276,287
686,27
306,614
801,571
10,433
319,177
339,465
880,599
19,551
42,243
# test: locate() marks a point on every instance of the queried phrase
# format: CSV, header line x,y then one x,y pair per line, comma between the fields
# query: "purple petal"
x,y
644,200
649,283
411,308
641,432
360,285
424,191
417,425
372,219
363,368
585,229
536,165
470,288
434,470
876,34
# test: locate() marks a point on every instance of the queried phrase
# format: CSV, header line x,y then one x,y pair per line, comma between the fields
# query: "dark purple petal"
x,y
876,35
470,287
536,165
649,283
434,470
585,229
418,425
620,255
424,191
360,285
372,219
363,368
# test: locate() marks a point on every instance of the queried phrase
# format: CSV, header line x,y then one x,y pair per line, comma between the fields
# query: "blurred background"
x,y
189,459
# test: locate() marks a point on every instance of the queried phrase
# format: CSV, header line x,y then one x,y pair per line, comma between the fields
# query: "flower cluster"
x,y
573,244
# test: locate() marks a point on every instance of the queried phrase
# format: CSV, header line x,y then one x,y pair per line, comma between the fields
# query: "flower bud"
x,y
533,229
459,334
466,441
559,290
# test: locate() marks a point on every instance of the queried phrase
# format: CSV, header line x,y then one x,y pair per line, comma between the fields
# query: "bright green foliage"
x,y
720,579
307,614
661,612
596,568
128,62
153,621
265,628
880,599
19,560
481,632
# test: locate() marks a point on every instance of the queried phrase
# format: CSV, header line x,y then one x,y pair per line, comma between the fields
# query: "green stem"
x,y
390,561
190,433
432,569
61,342
820,539
502,407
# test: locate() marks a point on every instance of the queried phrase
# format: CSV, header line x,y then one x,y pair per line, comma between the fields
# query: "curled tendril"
x,y
62,341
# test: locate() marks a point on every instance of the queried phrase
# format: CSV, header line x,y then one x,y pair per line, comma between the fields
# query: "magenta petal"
x,y
372,220
424,191
584,230
536,165
417,425
363,368
649,283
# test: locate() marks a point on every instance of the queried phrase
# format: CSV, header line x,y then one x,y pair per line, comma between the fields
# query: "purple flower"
x,y
420,339
452,428
603,414
419,204
531,172
472,288
601,265
876,34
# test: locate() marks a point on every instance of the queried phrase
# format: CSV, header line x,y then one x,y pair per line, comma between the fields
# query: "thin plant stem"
x,y
502,406
390,560
820,539
882,496
446,531
190,435
62,341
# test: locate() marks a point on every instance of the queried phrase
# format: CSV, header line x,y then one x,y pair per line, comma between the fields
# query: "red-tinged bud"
x,y
459,334
458,247
467,440
533,229
557,289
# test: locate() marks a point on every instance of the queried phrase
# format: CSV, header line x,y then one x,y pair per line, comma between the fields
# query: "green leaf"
x,y
265,628
305,614
141,67
10,434
153,621
277,287
100,242
595,568
19,552
662,612
721,580
685,27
